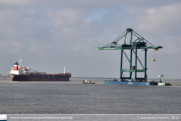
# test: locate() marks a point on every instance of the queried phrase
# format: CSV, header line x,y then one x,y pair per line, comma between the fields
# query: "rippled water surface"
x,y
76,98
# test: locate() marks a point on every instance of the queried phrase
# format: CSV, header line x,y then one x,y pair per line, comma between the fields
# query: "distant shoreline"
x,y
2,77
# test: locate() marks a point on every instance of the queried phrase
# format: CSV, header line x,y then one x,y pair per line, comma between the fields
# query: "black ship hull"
x,y
38,77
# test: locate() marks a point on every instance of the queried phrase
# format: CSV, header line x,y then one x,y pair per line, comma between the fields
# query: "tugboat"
x,y
161,83
86,81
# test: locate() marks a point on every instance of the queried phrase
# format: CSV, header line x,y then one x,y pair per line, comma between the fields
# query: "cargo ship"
x,y
21,73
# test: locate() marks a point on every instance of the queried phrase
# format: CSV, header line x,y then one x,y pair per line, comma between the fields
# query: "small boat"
x,y
86,81
161,83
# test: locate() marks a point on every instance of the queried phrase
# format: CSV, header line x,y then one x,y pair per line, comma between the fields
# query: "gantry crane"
x,y
133,46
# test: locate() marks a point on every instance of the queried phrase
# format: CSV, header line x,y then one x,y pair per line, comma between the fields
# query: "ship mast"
x,y
20,62
64,69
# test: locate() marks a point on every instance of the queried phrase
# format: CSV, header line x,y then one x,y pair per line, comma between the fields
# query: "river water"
x,y
76,98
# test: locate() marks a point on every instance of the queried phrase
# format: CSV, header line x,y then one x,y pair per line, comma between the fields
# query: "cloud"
x,y
64,16
60,4
180,40
11,46
14,2
172,48
65,32
164,20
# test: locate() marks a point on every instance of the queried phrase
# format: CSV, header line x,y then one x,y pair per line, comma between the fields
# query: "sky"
x,y
48,35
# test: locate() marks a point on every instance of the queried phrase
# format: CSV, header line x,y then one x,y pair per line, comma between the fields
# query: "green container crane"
x,y
133,46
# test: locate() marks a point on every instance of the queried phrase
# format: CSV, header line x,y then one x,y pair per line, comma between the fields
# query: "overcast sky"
x,y
48,35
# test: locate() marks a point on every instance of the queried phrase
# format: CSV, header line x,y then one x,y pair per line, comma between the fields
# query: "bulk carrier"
x,y
21,73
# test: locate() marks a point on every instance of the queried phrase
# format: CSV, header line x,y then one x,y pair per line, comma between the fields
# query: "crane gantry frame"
x,y
133,46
